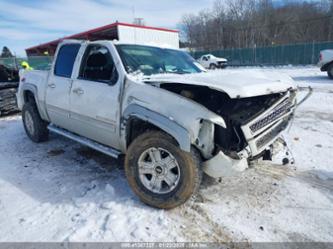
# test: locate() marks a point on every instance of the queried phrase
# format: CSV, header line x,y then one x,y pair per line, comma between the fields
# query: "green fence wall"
x,y
36,62
295,54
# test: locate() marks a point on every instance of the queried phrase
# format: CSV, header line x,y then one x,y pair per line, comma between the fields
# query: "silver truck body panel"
x,y
100,111
178,109
236,83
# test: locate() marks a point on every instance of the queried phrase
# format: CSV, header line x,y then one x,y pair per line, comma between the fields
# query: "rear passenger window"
x,y
65,60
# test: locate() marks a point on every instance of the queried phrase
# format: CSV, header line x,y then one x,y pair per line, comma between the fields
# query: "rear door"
x,y
94,96
205,61
59,85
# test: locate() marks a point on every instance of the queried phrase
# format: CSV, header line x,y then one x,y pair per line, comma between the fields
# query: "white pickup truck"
x,y
210,61
171,119
326,62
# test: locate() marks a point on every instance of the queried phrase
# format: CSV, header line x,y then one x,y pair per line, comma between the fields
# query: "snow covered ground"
x,y
62,191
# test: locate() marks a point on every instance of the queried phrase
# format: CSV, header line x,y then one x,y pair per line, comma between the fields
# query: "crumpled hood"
x,y
237,83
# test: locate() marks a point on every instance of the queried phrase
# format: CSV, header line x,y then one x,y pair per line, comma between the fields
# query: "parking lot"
x,y
62,191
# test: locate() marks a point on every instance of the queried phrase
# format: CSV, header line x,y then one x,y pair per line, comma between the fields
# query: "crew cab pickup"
x,y
326,62
158,107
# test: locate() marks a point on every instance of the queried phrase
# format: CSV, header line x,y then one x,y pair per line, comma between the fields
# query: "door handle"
x,y
51,85
78,91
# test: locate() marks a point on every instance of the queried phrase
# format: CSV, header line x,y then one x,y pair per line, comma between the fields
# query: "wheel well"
x,y
326,66
29,97
136,127
329,64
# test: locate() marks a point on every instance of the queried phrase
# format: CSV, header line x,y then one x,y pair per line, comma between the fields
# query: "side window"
x,y
204,58
98,65
65,60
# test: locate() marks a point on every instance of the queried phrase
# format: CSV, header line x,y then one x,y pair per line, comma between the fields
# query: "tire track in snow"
x,y
310,177
197,225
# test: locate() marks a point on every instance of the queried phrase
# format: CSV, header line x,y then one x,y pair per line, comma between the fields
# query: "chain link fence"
x,y
294,54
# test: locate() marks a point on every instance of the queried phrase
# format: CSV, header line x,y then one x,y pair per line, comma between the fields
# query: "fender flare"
x,y
178,132
32,88
27,87
325,67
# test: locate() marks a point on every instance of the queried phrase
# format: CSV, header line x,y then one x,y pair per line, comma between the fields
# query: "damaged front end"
x,y
262,130
253,125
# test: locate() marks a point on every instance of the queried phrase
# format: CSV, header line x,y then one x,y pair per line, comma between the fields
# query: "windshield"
x,y
153,60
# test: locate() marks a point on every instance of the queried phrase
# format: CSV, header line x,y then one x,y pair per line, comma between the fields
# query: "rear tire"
x,y
212,66
166,179
34,126
330,71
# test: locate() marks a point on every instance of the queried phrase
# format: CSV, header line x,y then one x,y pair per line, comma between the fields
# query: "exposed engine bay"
x,y
235,112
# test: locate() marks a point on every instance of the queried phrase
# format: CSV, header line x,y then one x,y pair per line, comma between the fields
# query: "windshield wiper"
x,y
182,72
178,71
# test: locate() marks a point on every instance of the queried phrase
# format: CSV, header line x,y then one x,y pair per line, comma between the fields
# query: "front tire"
x,y
330,71
159,172
212,66
34,126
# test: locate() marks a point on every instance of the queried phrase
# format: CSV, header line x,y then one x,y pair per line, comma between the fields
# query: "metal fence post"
x,y
312,58
255,54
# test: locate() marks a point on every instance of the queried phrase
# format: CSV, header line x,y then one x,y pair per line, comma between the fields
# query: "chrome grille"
x,y
265,139
280,110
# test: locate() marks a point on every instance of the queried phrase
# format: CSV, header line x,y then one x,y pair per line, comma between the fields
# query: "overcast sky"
x,y
24,23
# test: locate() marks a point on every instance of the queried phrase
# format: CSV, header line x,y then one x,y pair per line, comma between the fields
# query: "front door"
x,y
94,97
59,85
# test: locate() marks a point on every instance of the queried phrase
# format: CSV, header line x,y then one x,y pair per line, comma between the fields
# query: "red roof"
x,y
104,32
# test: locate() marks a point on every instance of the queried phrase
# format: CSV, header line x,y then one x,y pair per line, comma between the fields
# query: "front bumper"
x,y
260,133
223,165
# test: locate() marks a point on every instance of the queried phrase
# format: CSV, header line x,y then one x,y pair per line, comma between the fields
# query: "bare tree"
x,y
250,23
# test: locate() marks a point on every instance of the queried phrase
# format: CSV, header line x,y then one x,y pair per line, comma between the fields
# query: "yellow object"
x,y
26,65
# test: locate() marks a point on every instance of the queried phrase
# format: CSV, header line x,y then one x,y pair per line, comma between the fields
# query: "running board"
x,y
85,141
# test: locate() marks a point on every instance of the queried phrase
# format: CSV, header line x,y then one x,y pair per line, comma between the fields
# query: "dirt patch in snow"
x,y
55,152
